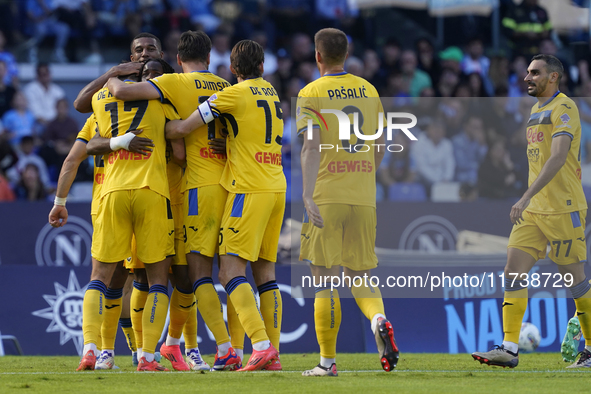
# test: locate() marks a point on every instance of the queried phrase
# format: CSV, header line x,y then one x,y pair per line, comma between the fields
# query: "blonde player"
x,y
340,222
552,210
253,177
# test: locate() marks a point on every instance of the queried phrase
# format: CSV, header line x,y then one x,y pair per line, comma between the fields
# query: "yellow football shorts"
x,y
251,225
564,232
203,211
124,213
348,237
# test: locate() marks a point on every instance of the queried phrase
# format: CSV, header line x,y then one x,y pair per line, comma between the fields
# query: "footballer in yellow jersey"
x,y
339,192
254,209
551,211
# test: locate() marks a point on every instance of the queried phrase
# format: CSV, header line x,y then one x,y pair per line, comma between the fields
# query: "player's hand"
x,y
58,216
140,144
218,145
313,213
517,210
132,68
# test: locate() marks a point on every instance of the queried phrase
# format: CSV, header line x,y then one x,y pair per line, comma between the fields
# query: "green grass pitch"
x,y
358,373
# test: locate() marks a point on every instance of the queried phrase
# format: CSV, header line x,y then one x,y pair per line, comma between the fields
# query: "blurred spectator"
x,y
498,121
79,16
26,155
223,71
119,17
496,178
43,95
476,83
434,156
11,75
499,72
170,49
270,65
451,58
283,73
397,87
463,90
418,79
220,50
427,60
19,121
59,136
7,92
290,16
10,21
8,156
469,150
548,47
447,83
391,56
307,72
6,193
397,167
354,65
302,50
371,69
30,187
44,23
201,15
517,85
474,61
584,104
526,25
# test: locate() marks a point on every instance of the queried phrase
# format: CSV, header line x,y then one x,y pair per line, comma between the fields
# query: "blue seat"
x,y
407,192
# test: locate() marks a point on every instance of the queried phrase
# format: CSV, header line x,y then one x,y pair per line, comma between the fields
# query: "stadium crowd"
x,y
477,145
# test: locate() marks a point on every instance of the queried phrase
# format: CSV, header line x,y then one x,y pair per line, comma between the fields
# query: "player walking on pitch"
x,y
340,219
552,210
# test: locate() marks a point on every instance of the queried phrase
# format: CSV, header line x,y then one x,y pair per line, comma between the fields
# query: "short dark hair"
x,y
147,35
246,57
332,45
40,66
553,65
166,68
194,46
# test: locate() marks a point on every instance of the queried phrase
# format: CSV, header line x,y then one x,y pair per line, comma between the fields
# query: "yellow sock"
x,y
137,302
327,319
93,311
272,310
127,329
181,303
210,307
247,309
582,292
369,300
234,326
514,306
154,318
190,328
111,317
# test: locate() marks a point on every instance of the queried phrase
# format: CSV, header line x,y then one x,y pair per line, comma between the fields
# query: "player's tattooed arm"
x,y
558,154
179,154
129,141
83,102
310,166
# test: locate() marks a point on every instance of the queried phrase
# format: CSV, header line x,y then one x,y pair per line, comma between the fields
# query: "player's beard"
x,y
538,88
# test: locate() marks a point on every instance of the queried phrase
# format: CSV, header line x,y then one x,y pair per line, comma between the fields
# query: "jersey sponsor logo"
x,y
68,245
268,158
65,312
429,233
208,153
99,179
533,135
350,166
533,155
123,154
565,119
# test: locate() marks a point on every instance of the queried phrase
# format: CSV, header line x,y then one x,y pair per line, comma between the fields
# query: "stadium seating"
x,y
407,192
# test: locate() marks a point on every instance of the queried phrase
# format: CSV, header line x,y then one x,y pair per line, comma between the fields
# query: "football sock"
x,y
514,306
369,300
247,309
240,353
110,317
327,362
327,319
154,318
127,329
91,346
374,321
582,295
190,328
139,295
92,311
262,345
271,310
235,327
181,303
223,348
210,307
511,346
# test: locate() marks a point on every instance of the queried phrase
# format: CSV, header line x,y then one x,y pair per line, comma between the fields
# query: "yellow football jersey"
x,y
564,193
252,112
125,170
175,178
88,131
186,92
347,172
